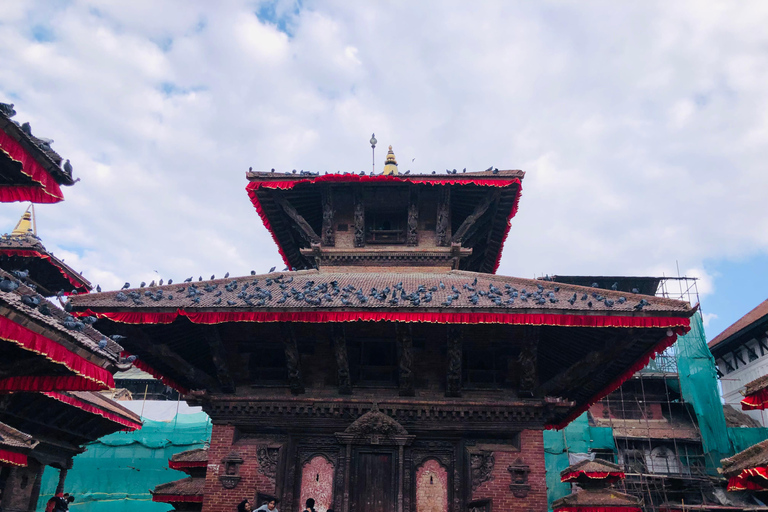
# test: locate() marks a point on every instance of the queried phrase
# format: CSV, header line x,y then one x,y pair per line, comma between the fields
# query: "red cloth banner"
x,y
253,186
599,509
752,479
758,400
74,402
28,253
388,315
12,458
185,464
91,377
608,476
49,191
176,498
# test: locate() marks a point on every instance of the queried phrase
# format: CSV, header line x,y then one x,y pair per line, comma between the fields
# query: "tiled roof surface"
x,y
311,289
31,242
437,176
49,315
756,385
592,466
196,455
597,498
13,438
754,456
28,241
102,402
753,316
189,486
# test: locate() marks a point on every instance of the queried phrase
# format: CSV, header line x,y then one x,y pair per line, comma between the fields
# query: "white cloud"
x,y
641,127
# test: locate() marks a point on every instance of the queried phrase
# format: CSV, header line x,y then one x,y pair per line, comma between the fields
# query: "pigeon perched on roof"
x,y
126,286
272,270
103,343
68,167
7,109
27,128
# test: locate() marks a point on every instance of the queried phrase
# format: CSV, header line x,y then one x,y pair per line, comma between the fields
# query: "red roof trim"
x,y
74,402
758,400
176,498
32,168
253,186
185,464
12,458
27,253
752,479
91,377
218,317
609,476
141,365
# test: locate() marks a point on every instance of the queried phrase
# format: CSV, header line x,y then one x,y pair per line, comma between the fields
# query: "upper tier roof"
x,y
742,325
304,192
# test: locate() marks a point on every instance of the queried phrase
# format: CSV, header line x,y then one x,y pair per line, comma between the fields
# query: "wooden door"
x,y
374,482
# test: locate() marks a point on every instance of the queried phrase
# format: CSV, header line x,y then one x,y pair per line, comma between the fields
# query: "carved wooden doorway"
x,y
374,482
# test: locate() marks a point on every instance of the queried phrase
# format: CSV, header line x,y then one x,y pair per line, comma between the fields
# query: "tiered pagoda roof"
x,y
186,493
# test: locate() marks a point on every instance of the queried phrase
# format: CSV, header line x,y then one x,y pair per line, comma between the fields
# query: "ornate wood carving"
x,y
231,476
219,359
413,218
473,217
268,457
292,359
453,378
359,218
404,333
481,467
527,360
443,216
306,231
519,471
342,363
329,239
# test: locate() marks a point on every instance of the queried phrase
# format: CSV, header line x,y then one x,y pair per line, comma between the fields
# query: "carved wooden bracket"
x,y
231,476
481,465
519,471
268,458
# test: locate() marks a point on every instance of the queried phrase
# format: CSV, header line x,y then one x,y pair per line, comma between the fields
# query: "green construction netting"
x,y
698,384
577,437
742,438
116,472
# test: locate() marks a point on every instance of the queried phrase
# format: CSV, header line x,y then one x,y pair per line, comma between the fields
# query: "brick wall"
x,y
497,489
431,487
22,488
219,499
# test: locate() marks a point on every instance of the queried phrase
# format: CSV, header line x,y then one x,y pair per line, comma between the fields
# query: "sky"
x,y
641,126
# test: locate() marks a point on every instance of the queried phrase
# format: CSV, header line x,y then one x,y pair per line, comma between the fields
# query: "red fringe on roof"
x,y
90,377
74,402
608,476
758,400
184,464
752,479
12,458
48,192
25,253
387,315
176,498
253,186
141,365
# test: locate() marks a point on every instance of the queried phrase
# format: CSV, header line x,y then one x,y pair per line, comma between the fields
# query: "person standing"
x,y
310,505
244,506
269,506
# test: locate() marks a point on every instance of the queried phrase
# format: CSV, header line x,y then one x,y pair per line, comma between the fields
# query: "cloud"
x,y
641,128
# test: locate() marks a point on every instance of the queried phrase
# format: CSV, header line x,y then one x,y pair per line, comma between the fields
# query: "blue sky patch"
x,y
280,13
42,34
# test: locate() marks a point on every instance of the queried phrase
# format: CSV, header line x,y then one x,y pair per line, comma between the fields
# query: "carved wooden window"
x,y
486,366
267,364
373,362
385,227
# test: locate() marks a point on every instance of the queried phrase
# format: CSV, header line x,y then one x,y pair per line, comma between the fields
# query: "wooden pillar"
x,y
292,359
527,360
328,238
359,218
63,477
338,334
404,334
412,236
453,377
443,216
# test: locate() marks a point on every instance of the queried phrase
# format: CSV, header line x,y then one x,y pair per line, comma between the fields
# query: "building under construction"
x,y
665,426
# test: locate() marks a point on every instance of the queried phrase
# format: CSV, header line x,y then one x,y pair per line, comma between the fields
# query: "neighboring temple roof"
x,y
275,293
29,169
756,385
467,190
186,490
23,250
198,455
753,457
598,498
741,326
644,285
15,439
592,468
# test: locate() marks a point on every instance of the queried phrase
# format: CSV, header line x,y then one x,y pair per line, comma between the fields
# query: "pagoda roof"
x,y
304,189
42,352
186,490
282,296
757,317
46,271
598,498
753,457
29,169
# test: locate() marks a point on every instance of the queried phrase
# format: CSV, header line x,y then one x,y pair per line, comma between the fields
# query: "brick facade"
x,y
497,488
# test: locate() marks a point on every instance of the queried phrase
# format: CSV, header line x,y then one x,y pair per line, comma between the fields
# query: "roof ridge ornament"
x,y
27,223
390,166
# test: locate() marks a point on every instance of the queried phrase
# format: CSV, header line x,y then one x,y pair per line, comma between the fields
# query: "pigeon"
x,y
160,283
213,276
7,109
615,286
152,283
188,280
98,289
170,281
27,128
68,167
226,275
21,274
495,170
143,284
272,270
103,343
200,278
635,290
132,359
489,169
253,272
117,337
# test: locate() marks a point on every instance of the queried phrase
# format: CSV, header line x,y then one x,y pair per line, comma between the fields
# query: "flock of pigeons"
x,y
302,172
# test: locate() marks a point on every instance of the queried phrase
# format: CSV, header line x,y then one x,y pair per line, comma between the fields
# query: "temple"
x,y
387,367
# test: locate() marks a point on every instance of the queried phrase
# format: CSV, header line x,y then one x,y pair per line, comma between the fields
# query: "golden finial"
x,y
390,167
27,224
